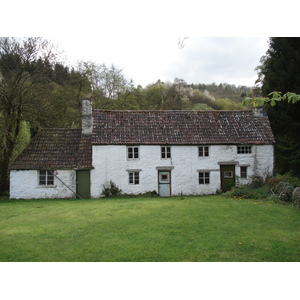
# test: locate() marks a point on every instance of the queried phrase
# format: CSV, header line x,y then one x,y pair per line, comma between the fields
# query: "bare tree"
x,y
107,82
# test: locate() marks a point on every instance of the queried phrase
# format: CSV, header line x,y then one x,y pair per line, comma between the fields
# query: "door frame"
x,y
79,181
227,182
169,182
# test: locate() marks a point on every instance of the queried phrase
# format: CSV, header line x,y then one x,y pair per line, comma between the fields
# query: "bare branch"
x,y
181,44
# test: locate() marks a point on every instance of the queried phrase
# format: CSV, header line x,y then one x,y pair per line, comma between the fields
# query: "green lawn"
x,y
201,229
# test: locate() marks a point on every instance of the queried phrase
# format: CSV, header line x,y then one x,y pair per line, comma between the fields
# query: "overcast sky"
x,y
140,37
147,59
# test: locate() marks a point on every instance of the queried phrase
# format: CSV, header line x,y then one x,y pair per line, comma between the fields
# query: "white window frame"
x,y
133,151
134,177
165,152
228,174
45,178
205,177
204,151
244,149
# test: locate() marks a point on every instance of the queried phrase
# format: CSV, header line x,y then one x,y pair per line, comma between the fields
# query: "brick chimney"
x,y
87,118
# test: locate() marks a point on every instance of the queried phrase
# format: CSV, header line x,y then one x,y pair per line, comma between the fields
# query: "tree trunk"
x,y
4,180
10,140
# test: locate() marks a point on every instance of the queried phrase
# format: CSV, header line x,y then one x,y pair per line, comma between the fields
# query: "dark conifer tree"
x,y
280,71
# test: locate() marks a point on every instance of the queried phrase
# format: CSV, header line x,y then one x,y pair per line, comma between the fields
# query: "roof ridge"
x,y
52,128
165,111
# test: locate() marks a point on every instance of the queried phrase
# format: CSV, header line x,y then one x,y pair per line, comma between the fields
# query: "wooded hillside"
x,y
38,90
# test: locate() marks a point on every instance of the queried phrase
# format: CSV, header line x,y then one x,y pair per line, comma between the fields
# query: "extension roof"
x,y
68,149
180,128
56,149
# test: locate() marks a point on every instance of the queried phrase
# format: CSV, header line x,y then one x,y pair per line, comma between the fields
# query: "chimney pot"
x,y
260,111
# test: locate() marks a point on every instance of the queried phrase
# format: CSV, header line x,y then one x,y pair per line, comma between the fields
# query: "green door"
x,y
227,177
83,184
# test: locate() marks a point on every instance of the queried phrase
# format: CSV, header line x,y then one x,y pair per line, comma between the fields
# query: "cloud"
x,y
230,60
145,59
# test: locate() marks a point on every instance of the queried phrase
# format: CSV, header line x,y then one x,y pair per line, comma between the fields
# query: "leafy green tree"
x,y
226,104
127,101
199,99
201,106
107,82
287,147
156,95
280,71
22,139
224,90
35,90
279,68
24,71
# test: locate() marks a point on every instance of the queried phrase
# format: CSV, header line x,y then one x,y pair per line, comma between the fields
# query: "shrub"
x,y
257,182
146,194
273,181
242,192
110,189
280,188
293,181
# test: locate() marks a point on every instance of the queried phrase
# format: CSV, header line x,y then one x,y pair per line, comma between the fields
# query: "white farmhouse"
x,y
170,152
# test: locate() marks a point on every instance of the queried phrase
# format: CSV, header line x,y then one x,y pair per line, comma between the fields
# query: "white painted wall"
x,y
110,163
24,185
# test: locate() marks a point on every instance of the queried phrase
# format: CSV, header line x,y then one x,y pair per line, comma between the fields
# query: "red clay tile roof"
x,y
180,127
67,149
56,149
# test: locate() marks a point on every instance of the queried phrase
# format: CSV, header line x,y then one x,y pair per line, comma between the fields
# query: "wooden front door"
x,y
227,177
164,183
83,184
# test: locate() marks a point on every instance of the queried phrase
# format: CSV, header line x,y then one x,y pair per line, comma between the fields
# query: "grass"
x,y
200,229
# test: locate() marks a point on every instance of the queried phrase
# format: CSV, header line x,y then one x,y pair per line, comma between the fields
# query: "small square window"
x,y
204,178
46,177
134,177
164,177
132,152
165,152
203,151
244,149
243,172
228,174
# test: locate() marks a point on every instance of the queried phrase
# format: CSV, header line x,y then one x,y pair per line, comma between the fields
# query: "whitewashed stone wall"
x,y
111,163
25,185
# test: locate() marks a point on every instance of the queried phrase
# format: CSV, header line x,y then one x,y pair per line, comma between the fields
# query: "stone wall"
x,y
25,185
111,163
